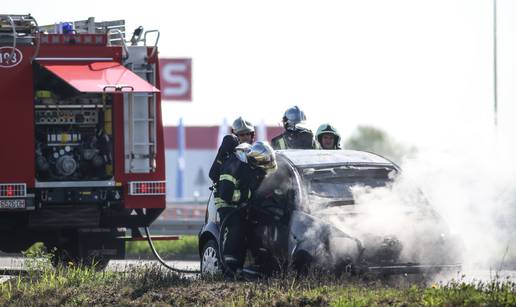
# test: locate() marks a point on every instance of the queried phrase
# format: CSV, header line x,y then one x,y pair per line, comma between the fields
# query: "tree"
x,y
368,138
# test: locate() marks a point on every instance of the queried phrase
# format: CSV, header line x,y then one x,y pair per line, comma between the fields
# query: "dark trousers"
x,y
234,244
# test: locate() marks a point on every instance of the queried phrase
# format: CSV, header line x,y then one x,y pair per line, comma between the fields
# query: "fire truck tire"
x,y
68,257
302,262
64,254
88,250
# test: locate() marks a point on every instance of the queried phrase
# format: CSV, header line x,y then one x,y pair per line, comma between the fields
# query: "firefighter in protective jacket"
x,y
242,131
240,177
295,135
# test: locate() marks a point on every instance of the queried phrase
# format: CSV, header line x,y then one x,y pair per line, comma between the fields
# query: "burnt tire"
x,y
210,259
302,262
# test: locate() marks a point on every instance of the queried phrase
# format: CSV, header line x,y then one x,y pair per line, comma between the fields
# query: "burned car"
x,y
343,210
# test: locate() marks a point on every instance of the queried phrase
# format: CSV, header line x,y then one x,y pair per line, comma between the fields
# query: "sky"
x,y
420,70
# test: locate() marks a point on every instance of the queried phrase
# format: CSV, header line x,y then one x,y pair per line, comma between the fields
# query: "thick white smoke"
x,y
399,211
473,189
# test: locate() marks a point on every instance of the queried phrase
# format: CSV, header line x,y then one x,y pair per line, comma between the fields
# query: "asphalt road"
x,y
476,275
18,263
124,265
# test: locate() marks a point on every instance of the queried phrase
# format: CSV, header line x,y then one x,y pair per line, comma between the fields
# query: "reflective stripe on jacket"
x,y
233,187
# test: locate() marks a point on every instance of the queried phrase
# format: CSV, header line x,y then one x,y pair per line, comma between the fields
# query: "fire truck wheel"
x,y
210,261
69,257
301,262
63,255
88,249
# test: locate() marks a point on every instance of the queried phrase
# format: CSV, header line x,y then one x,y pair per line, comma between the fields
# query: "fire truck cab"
x,y
81,136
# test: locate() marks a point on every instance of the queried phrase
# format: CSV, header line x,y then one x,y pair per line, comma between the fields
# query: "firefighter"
x,y
242,131
240,177
295,136
328,137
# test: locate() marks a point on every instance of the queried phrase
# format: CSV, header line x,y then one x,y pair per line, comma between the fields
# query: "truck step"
x,y
154,238
65,216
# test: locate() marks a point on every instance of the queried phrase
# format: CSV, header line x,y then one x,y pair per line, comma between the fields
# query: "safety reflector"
x,y
13,190
147,188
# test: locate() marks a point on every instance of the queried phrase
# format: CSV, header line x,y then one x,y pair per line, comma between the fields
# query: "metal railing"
x,y
19,29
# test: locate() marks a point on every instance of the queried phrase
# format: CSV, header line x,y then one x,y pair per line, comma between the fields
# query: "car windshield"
x,y
333,186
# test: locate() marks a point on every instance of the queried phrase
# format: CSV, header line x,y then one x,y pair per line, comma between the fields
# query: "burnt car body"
x,y
306,214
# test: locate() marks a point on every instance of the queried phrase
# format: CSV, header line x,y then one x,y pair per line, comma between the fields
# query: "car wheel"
x,y
210,261
301,263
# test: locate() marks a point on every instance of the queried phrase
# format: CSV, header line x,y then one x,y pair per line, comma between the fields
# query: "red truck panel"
x,y
17,121
80,51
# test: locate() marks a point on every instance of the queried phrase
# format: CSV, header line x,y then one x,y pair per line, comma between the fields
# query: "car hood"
x,y
395,233
366,219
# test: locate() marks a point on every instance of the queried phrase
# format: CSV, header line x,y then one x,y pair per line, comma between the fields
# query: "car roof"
x,y
314,158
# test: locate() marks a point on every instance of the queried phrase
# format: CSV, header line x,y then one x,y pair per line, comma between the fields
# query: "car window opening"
x,y
333,186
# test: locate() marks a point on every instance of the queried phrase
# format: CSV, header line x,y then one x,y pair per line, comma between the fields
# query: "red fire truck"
x,y
81,136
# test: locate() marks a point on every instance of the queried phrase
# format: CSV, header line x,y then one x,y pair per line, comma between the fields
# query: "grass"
x,y
186,246
44,285
48,284
154,286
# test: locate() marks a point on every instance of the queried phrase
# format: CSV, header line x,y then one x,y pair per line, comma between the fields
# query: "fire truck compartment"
x,y
73,131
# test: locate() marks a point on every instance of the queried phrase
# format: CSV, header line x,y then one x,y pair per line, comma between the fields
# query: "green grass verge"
x,y
187,245
43,285
151,286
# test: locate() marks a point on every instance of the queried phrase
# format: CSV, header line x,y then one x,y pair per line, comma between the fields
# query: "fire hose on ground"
x,y
220,244
158,257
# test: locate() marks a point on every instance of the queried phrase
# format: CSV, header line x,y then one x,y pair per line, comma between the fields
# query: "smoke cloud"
x,y
464,195
473,188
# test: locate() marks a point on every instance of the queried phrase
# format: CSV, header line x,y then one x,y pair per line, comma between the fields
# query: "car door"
x,y
271,215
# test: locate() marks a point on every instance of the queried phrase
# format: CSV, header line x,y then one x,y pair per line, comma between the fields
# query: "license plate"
x,y
12,204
